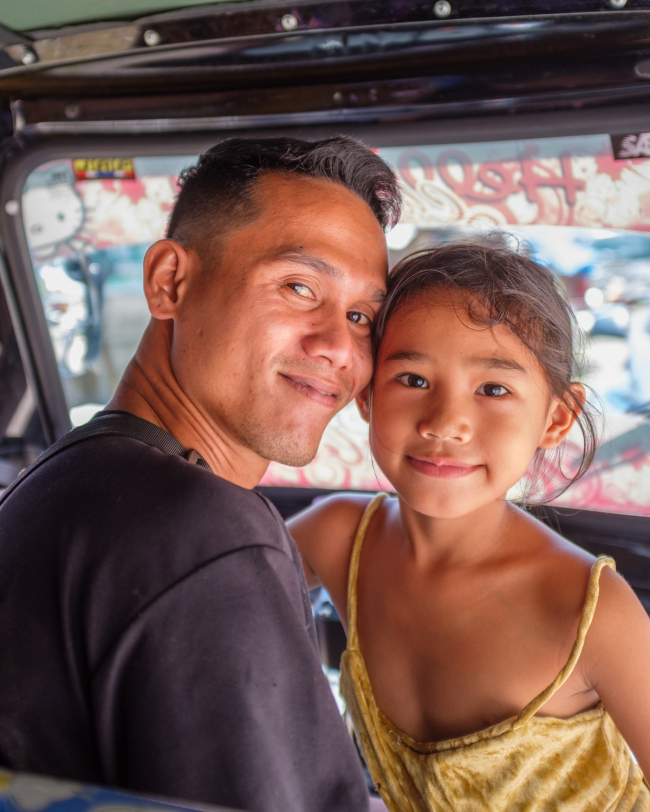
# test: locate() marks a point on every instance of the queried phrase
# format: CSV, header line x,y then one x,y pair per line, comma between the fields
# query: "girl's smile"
x,y
442,467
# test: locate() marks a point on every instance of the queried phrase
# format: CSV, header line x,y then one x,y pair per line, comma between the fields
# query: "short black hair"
x,y
217,192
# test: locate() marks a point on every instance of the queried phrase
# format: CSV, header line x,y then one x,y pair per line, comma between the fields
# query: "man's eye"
x,y
492,390
414,381
301,290
359,318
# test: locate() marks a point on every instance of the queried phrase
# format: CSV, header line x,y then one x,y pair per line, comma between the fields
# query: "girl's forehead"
x,y
427,311
439,322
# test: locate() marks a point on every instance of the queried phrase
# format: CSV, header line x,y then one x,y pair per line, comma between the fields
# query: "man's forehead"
x,y
291,199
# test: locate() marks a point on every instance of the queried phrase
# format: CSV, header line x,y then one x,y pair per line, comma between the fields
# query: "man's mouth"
x,y
442,467
323,392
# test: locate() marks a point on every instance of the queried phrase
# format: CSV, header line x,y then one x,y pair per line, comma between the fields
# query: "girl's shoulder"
x,y
565,573
325,534
331,517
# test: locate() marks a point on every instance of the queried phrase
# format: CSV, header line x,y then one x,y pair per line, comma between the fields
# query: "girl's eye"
x,y
413,381
301,290
492,390
359,318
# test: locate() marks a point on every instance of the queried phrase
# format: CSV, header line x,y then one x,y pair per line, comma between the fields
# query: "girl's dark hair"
x,y
506,287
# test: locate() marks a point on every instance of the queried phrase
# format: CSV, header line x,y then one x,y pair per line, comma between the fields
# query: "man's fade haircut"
x,y
217,193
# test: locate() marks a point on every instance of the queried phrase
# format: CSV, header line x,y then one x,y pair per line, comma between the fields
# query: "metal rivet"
x,y
28,57
442,9
72,110
12,207
152,37
289,22
617,4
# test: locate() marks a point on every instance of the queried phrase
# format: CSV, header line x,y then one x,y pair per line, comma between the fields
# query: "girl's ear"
x,y
363,403
562,418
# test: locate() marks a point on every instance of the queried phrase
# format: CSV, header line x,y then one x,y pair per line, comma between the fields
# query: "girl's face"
x,y
458,410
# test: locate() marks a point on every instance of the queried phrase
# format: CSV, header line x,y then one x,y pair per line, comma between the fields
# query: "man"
x,y
154,621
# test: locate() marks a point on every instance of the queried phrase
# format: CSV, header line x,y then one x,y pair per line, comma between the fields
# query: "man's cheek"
x,y
363,369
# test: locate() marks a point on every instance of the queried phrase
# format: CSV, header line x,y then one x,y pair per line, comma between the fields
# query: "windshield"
x,y
569,202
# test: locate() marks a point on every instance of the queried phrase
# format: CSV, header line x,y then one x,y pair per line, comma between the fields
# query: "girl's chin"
x,y
441,502
443,497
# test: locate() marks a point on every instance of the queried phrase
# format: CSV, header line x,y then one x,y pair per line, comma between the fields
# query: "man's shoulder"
x,y
111,524
119,485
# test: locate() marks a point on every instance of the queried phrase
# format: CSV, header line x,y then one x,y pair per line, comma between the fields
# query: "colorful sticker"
x,y
103,168
635,145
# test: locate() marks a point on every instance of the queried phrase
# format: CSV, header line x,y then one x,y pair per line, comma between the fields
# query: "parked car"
x,y
519,121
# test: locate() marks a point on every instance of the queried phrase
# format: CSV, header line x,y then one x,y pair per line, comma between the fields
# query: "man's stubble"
x,y
287,446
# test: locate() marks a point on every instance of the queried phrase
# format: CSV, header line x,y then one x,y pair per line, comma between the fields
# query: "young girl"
x,y
491,663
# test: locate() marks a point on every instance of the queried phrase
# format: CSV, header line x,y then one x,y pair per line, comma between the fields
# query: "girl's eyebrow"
x,y
489,362
494,362
407,355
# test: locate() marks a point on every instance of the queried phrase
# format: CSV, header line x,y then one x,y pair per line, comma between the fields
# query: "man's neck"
x,y
149,389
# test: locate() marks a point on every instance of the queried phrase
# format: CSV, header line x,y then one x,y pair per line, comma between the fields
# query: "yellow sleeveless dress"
x,y
526,764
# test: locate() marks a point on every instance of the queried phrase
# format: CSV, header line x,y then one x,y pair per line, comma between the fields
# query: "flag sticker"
x,y
635,145
103,168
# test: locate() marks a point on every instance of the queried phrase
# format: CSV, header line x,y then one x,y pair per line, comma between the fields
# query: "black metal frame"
x,y
480,59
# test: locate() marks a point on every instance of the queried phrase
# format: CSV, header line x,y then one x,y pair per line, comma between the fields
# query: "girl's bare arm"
x,y
324,534
617,663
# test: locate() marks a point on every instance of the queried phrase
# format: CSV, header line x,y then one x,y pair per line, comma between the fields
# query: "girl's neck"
x,y
463,541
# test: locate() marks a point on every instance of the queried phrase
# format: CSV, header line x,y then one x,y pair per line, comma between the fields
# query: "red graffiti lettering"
x,y
420,159
492,184
462,187
535,174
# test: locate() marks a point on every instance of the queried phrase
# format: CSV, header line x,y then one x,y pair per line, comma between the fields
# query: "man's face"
x,y
274,339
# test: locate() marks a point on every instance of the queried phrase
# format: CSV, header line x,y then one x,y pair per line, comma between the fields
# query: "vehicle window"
x,y
88,226
579,204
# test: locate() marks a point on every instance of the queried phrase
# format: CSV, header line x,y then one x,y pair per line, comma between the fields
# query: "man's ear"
x,y
363,403
562,417
166,266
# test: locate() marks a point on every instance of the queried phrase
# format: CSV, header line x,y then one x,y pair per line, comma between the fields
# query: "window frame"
x,y
18,278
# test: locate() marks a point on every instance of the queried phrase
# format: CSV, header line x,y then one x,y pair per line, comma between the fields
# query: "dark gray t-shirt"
x,y
155,634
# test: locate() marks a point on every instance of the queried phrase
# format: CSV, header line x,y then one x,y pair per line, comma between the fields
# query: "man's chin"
x,y
294,446
289,449
293,459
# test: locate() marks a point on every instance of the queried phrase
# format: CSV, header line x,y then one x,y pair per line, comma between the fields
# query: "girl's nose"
x,y
445,420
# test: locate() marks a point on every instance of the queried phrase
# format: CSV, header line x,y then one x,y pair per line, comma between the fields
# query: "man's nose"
x,y
330,337
446,418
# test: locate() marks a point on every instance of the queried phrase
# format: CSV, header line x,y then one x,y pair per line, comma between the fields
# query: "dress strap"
x,y
353,573
583,627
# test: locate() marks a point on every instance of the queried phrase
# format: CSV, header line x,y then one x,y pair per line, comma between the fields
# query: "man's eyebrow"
x,y
407,355
375,294
315,263
494,362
